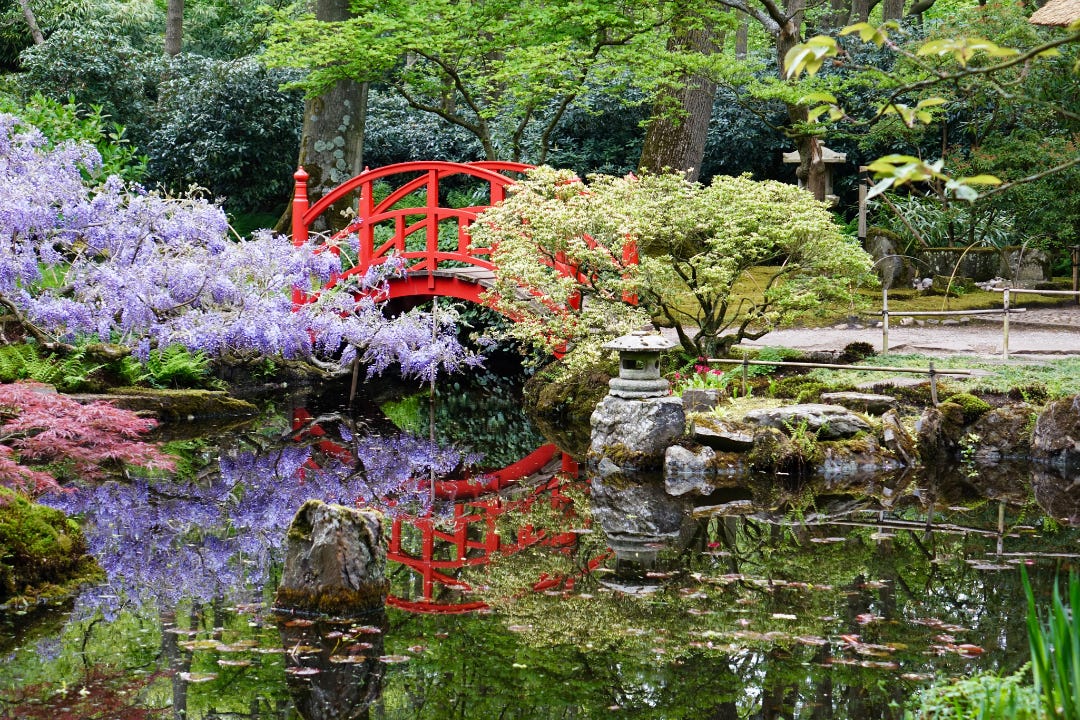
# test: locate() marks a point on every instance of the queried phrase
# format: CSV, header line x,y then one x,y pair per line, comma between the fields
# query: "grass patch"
x,y
1041,381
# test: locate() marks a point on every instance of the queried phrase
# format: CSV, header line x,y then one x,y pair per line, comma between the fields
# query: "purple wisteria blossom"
x,y
120,264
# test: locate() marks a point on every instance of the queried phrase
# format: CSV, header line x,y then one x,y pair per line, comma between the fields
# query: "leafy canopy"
x,y
562,238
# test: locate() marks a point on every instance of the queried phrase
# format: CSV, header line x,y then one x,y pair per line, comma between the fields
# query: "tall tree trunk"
x,y
332,138
676,141
860,9
742,38
174,27
31,21
811,170
892,9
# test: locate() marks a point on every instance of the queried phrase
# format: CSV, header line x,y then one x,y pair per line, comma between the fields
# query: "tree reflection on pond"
x,y
826,598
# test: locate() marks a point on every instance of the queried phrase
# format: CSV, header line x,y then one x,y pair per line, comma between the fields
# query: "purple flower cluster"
x,y
135,267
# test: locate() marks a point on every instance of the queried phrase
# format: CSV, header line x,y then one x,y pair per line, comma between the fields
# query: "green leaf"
x,y
981,180
809,56
814,97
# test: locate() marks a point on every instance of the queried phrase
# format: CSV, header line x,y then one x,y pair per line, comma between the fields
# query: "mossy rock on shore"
x,y
174,405
41,549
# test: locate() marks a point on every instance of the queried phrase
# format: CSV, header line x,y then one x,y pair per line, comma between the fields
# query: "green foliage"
x,y
937,224
505,71
173,367
696,243
87,64
409,413
984,696
1055,649
222,124
59,121
69,373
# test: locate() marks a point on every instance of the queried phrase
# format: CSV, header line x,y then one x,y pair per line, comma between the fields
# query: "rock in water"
x,y
335,562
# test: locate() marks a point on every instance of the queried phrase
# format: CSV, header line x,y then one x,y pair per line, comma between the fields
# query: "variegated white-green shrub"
x,y
695,243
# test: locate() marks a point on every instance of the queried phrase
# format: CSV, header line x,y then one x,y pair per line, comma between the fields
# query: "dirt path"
x,y
1039,333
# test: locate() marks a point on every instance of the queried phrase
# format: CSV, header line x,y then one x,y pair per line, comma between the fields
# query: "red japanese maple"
x,y
44,434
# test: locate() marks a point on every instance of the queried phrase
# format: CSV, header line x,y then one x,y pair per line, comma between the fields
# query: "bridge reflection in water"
x,y
435,548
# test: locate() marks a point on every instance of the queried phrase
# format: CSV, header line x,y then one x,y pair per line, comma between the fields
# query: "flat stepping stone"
x,y
827,422
869,403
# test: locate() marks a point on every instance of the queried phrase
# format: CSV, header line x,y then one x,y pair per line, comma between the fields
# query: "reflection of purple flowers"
x,y
163,540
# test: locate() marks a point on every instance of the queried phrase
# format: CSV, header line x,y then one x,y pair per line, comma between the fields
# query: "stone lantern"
x,y
639,365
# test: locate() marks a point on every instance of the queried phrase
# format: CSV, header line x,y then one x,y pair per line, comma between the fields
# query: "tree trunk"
x,y
892,9
678,143
31,21
332,138
742,38
860,9
811,170
174,27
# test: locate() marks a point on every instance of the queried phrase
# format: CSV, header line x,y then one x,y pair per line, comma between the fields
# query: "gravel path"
x,y
1052,332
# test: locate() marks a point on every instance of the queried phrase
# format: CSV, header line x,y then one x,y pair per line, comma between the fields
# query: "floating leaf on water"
x,y
784,616
299,622
200,645
883,665
334,635
357,647
875,584
519,628
826,540
990,566
182,631
416,649
969,649
366,630
938,625
269,650
197,677
225,662
302,671
917,677
867,618
392,659
812,640
348,659
238,646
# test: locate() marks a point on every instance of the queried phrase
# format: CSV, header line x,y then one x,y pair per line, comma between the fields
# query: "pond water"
x,y
816,599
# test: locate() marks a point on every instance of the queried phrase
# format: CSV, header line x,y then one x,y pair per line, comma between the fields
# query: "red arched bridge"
x,y
416,223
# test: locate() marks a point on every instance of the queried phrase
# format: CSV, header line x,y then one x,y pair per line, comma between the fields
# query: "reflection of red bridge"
x,y
436,548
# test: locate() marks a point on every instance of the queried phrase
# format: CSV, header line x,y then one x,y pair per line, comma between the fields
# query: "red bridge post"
x,y
299,227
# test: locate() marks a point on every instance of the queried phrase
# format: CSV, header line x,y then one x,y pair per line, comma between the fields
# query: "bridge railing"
x,y
414,231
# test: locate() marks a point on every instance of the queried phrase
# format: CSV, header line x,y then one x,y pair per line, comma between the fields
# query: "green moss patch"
x,y
40,549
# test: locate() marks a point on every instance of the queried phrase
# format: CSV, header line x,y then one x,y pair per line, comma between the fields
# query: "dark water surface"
x,y
826,599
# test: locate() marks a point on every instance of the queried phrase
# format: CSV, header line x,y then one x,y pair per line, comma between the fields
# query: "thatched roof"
x,y
1057,12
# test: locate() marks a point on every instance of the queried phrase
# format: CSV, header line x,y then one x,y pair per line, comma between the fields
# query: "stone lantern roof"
x,y
641,340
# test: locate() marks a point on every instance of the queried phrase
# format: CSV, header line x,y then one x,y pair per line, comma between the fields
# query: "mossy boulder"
x,y
41,550
175,405
973,407
335,562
